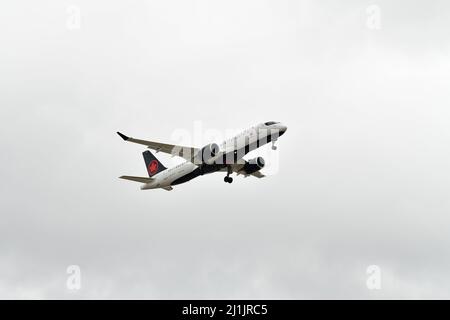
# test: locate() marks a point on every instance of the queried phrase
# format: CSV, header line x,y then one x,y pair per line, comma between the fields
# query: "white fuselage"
x,y
167,177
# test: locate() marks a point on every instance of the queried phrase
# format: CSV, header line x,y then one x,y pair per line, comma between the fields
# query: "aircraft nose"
x,y
283,129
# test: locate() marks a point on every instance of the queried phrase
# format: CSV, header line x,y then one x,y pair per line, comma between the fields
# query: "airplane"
x,y
228,156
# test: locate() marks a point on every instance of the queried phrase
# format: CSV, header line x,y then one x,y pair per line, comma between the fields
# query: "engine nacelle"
x,y
253,165
208,152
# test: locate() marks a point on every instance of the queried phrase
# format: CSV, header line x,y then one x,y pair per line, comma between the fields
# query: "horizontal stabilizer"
x,y
137,179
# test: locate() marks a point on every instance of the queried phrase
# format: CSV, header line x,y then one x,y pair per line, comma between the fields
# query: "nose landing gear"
x,y
274,147
228,178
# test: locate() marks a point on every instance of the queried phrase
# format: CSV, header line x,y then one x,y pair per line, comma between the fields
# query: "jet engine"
x,y
253,165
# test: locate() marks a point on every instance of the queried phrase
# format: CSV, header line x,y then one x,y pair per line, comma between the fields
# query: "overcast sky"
x,y
362,175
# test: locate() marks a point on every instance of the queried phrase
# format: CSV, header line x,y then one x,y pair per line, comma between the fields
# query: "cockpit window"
x,y
270,123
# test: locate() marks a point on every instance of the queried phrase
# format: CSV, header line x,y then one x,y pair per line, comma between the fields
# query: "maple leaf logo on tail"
x,y
153,167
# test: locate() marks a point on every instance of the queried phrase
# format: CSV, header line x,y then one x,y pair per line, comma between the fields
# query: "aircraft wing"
x,y
187,153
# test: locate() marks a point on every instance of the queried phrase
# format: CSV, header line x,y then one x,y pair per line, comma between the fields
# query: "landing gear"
x,y
274,147
228,178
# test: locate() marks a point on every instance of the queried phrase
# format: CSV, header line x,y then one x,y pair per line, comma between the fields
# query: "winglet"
x,y
124,137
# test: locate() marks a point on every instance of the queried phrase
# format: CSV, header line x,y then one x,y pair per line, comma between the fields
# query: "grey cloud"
x,y
363,175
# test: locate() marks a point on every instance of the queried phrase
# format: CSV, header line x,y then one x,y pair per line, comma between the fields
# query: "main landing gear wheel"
x,y
228,179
